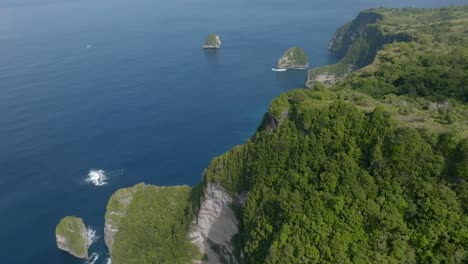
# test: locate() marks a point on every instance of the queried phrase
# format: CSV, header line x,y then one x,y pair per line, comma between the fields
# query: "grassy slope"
x,y
70,227
155,227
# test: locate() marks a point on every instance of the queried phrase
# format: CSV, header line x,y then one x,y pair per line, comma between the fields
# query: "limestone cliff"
x,y
214,229
72,236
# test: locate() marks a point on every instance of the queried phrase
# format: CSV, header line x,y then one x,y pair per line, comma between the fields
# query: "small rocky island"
x,y
72,236
293,58
212,42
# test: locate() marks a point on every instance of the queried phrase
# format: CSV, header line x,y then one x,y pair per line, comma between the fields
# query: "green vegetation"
x,y
71,236
373,169
426,70
434,34
212,40
344,180
294,57
155,226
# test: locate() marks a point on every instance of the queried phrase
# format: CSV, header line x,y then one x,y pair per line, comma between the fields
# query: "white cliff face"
x,y
215,225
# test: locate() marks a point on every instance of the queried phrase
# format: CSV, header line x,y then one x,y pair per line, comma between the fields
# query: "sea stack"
x,y
72,236
293,58
212,42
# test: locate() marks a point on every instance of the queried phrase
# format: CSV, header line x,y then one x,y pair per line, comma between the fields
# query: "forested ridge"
x,y
371,170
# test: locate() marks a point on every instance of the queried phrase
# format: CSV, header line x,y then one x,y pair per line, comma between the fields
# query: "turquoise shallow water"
x,y
125,87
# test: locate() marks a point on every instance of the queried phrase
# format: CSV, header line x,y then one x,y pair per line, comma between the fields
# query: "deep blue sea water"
x,y
124,86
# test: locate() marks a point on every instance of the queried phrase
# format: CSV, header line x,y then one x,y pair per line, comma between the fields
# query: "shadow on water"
x,y
295,77
212,55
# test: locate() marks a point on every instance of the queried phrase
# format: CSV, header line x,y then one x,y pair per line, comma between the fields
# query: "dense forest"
x,y
154,229
335,184
371,170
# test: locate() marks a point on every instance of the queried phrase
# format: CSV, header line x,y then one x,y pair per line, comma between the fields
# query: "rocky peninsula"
x,y
72,236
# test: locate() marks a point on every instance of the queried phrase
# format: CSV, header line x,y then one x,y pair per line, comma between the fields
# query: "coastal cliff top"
x,y
143,209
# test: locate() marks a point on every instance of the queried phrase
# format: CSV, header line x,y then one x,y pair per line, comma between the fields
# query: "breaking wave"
x,y
96,177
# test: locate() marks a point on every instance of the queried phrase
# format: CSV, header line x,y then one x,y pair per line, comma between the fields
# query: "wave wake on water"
x,y
92,259
92,237
278,70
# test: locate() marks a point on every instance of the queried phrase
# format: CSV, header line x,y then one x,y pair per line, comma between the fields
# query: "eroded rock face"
x,y
71,235
273,123
326,78
348,33
115,211
215,226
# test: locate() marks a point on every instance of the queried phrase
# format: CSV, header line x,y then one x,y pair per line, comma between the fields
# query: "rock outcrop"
x,y
326,78
216,225
345,36
213,41
356,45
272,122
115,211
293,58
71,235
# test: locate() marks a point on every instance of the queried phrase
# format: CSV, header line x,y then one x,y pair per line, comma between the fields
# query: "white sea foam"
x,y
92,259
278,70
96,177
108,261
92,237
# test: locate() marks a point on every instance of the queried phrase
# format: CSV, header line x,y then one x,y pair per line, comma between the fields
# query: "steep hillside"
x,y
344,179
357,43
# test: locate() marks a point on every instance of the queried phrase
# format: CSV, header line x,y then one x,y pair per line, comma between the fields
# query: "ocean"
x,y
124,86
